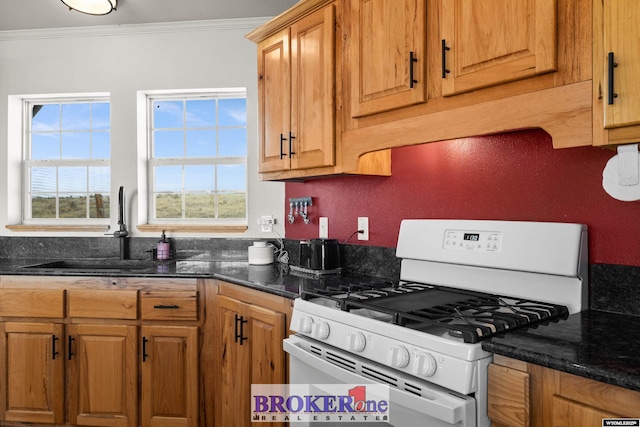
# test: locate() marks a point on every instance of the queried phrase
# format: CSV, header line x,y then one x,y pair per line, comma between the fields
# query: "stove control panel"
x,y
469,240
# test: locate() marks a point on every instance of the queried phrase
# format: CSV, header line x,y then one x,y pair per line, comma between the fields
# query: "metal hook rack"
x,y
299,206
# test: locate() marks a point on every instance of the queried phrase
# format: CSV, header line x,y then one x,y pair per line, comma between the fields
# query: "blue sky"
x,y
82,131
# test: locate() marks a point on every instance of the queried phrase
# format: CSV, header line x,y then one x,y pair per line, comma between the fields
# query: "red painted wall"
x,y
514,176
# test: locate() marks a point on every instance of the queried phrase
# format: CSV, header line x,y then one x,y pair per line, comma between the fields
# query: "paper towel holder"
x,y
628,164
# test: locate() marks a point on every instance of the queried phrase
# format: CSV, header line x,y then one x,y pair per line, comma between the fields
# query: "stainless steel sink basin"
x,y
95,264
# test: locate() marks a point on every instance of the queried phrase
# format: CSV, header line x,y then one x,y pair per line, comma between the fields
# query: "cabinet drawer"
x,y
47,303
169,305
103,304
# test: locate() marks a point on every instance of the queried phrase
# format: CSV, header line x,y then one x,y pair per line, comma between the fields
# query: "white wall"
x,y
122,60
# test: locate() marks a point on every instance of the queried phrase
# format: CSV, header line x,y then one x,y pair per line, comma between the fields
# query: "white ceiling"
x,y
36,14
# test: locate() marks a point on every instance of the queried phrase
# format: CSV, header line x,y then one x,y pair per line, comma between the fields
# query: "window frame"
x,y
152,162
27,161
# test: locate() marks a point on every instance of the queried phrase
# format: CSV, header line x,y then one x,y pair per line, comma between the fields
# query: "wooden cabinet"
x,y
32,355
130,349
616,65
524,394
621,33
169,376
300,95
296,89
32,361
103,375
491,42
252,326
387,54
169,393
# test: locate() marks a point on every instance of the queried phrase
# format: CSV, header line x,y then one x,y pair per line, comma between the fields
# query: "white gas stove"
x,y
460,282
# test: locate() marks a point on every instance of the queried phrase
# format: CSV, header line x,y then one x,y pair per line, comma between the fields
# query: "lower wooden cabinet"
x,y
524,394
84,352
169,372
32,372
103,375
250,350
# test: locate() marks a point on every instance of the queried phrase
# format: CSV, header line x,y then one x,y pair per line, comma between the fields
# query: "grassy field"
x,y
168,206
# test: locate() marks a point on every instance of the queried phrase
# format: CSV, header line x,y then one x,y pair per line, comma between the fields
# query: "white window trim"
x,y
20,159
147,98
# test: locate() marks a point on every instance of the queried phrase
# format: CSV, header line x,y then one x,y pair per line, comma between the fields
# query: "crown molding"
x,y
245,24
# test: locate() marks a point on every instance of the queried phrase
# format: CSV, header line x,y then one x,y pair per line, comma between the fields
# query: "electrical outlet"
x,y
267,222
323,228
363,228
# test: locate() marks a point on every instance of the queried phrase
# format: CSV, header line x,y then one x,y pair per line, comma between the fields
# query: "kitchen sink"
x,y
95,264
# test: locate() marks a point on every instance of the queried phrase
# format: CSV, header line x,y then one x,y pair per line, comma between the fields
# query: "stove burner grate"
x,y
470,315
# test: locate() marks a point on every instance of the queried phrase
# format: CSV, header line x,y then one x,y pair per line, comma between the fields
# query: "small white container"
x,y
260,253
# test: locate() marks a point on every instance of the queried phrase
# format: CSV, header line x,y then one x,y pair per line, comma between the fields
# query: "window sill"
x,y
192,228
58,228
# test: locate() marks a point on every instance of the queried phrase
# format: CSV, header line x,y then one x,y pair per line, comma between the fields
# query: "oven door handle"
x,y
440,405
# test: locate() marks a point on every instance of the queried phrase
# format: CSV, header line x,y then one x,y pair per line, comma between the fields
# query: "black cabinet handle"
x,y
282,140
239,331
291,138
445,71
166,307
612,64
144,349
412,60
71,339
54,353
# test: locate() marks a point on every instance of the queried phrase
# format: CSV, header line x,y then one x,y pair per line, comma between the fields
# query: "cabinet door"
x,y
32,372
169,396
491,42
251,353
508,396
567,413
621,39
383,36
265,335
274,102
235,377
312,139
103,375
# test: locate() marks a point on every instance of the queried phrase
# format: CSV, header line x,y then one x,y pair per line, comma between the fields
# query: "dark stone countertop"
x,y
595,344
273,278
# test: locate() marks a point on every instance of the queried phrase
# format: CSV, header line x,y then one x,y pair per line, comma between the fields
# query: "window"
x,y
67,160
198,157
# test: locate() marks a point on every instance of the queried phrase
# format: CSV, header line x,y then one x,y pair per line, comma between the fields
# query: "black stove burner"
x,y
469,315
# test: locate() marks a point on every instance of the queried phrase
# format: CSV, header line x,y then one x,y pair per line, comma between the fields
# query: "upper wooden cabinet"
x,y
387,54
490,42
621,62
300,95
616,65
296,84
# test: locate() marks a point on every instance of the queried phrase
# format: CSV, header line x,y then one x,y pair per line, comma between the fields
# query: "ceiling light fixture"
x,y
91,7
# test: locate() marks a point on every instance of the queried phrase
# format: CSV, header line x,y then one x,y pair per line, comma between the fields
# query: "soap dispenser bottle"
x,y
163,250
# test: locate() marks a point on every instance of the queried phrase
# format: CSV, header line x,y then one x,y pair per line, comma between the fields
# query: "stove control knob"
x,y
356,341
320,330
304,324
398,356
425,365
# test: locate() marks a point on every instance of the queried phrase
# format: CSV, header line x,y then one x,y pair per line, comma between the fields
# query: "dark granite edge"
x,y
591,372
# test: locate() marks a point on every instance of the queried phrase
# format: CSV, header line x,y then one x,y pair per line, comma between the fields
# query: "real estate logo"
x,y
338,403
